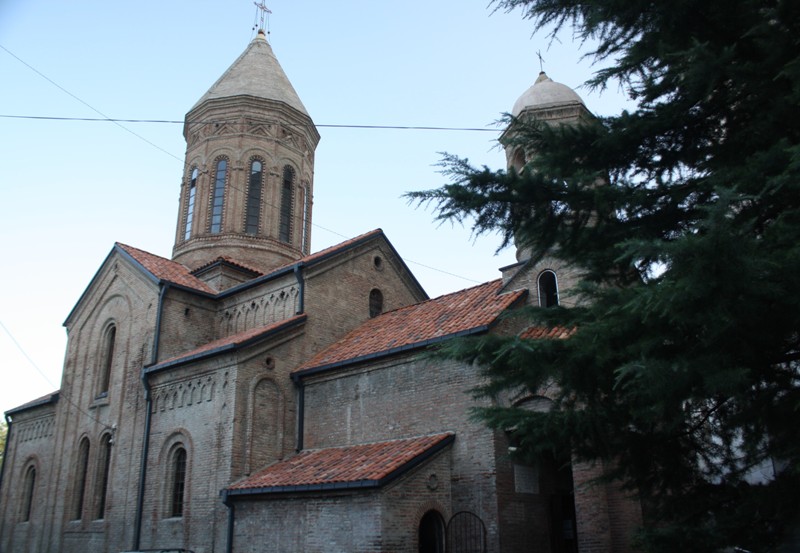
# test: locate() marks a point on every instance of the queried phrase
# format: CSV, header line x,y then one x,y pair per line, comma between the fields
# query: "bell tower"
x,y
247,191
549,278
551,103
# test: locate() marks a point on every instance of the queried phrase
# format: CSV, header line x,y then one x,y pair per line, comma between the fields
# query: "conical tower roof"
x,y
255,73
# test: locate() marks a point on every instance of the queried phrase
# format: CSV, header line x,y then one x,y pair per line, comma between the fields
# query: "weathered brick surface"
x,y
382,520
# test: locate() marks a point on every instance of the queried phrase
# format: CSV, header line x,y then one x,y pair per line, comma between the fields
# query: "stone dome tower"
x,y
247,190
551,103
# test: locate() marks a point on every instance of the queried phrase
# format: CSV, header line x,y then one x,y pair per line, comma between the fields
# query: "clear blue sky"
x,y
71,189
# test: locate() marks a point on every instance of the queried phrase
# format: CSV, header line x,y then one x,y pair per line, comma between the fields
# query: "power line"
x,y
323,125
118,122
61,391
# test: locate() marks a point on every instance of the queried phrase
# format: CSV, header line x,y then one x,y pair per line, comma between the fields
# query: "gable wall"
x,y
122,295
337,291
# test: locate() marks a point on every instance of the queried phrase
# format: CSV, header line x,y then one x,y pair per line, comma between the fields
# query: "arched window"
x,y
306,207
29,485
253,213
178,482
287,199
106,360
431,533
81,472
548,289
375,302
187,232
103,466
217,200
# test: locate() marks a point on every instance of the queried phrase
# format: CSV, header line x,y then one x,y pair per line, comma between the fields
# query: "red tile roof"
x,y
230,342
165,269
172,271
365,465
473,309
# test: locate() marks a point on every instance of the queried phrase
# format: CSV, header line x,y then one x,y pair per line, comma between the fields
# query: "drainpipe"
x,y
301,411
231,517
148,403
301,394
298,274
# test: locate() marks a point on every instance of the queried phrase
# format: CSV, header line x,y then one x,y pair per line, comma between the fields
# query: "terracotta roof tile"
x,y
165,269
233,340
367,464
172,271
416,325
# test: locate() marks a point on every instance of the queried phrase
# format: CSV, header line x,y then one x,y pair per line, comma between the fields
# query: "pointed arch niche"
x,y
267,415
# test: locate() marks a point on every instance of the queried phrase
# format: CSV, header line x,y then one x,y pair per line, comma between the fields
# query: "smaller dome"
x,y
545,93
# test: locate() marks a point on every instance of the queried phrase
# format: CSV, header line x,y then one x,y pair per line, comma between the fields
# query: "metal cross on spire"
x,y
261,12
541,60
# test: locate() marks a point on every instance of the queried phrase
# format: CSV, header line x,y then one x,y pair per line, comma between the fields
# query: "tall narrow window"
x,y
375,302
103,465
306,206
109,341
548,289
178,482
218,198
81,471
187,232
287,193
254,198
27,493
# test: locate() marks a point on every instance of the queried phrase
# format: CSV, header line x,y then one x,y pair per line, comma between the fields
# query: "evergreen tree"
x,y
682,370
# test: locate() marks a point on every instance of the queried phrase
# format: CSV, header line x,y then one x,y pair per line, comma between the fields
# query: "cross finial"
x,y
541,60
261,12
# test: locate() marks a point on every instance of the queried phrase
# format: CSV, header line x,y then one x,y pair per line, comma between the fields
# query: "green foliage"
x,y
682,371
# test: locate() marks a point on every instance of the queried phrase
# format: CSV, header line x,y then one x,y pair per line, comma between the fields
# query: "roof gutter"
x,y
148,402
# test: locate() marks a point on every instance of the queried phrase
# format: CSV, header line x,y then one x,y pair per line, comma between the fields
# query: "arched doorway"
x,y
431,533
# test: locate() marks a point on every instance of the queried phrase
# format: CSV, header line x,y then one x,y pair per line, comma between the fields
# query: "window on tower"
x,y
287,193
548,289
219,195
253,213
187,233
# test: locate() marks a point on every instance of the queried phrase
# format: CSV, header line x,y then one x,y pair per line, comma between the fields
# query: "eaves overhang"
x,y
226,348
320,369
364,484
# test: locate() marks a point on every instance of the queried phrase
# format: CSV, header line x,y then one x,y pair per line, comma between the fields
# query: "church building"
x,y
251,395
